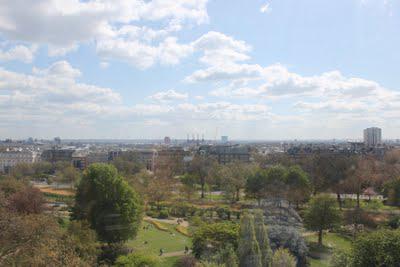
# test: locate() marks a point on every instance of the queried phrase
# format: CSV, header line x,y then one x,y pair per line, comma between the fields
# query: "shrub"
x,y
290,238
341,258
163,214
186,261
379,248
283,258
138,259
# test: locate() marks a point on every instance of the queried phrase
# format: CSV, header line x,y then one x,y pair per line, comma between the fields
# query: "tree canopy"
x,y
108,203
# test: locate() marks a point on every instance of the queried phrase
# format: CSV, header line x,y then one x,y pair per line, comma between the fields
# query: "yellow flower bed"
x,y
158,225
183,230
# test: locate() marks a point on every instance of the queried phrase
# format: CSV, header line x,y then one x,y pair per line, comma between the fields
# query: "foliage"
x,y
27,201
299,185
209,238
85,240
262,238
256,184
234,176
341,258
201,167
138,259
188,185
380,248
322,214
248,248
283,258
36,240
391,190
186,261
163,214
289,238
276,178
110,205
10,185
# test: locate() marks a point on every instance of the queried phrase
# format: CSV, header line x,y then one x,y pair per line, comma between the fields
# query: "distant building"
x,y
79,159
167,140
372,137
97,157
227,153
9,159
55,155
224,139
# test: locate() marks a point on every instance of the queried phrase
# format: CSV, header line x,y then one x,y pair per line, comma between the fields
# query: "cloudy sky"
x,y
250,69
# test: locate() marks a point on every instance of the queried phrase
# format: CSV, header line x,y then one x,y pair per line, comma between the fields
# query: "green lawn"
x,y
157,239
321,256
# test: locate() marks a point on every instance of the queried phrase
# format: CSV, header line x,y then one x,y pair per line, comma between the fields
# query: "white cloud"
x,y
104,65
169,95
265,8
19,53
64,25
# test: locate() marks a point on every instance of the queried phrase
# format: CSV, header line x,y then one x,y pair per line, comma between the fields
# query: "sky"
x,y
249,69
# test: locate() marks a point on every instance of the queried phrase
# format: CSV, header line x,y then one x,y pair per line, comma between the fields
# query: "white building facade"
x,y
9,159
372,137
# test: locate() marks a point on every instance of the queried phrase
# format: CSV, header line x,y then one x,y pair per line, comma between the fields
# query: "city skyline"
x,y
265,70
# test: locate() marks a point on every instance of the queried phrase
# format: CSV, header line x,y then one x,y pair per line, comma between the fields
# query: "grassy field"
x,y
157,239
321,256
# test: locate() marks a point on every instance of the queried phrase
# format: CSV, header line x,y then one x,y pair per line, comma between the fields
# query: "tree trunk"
x,y
237,194
339,200
202,190
320,238
358,199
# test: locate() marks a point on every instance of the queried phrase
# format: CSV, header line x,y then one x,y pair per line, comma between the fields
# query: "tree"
x,y
201,167
360,176
158,190
234,178
391,190
108,203
276,186
27,201
188,185
322,214
299,185
256,185
70,175
84,240
379,248
211,238
262,238
10,185
248,248
283,258
35,240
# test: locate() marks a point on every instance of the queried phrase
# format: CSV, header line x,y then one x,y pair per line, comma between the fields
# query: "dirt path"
x,y
175,254
170,221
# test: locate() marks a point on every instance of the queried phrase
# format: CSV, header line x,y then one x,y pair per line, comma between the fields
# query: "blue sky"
x,y
278,69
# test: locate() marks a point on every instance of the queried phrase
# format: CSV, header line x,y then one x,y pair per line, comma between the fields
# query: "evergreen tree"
x,y
283,258
249,251
262,238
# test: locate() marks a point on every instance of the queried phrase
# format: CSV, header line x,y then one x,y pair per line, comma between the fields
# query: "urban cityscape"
x,y
199,133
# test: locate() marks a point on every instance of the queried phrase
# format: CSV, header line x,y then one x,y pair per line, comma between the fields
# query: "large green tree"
x,y
256,185
323,213
298,183
380,248
108,203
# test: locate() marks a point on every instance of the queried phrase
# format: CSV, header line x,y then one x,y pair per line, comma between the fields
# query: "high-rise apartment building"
x,y
372,136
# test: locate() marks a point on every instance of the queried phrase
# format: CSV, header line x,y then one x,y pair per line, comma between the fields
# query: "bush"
x,y
186,261
163,214
341,258
289,238
394,222
138,259
379,248
283,258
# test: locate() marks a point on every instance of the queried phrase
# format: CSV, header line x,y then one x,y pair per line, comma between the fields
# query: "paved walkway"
x,y
169,221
